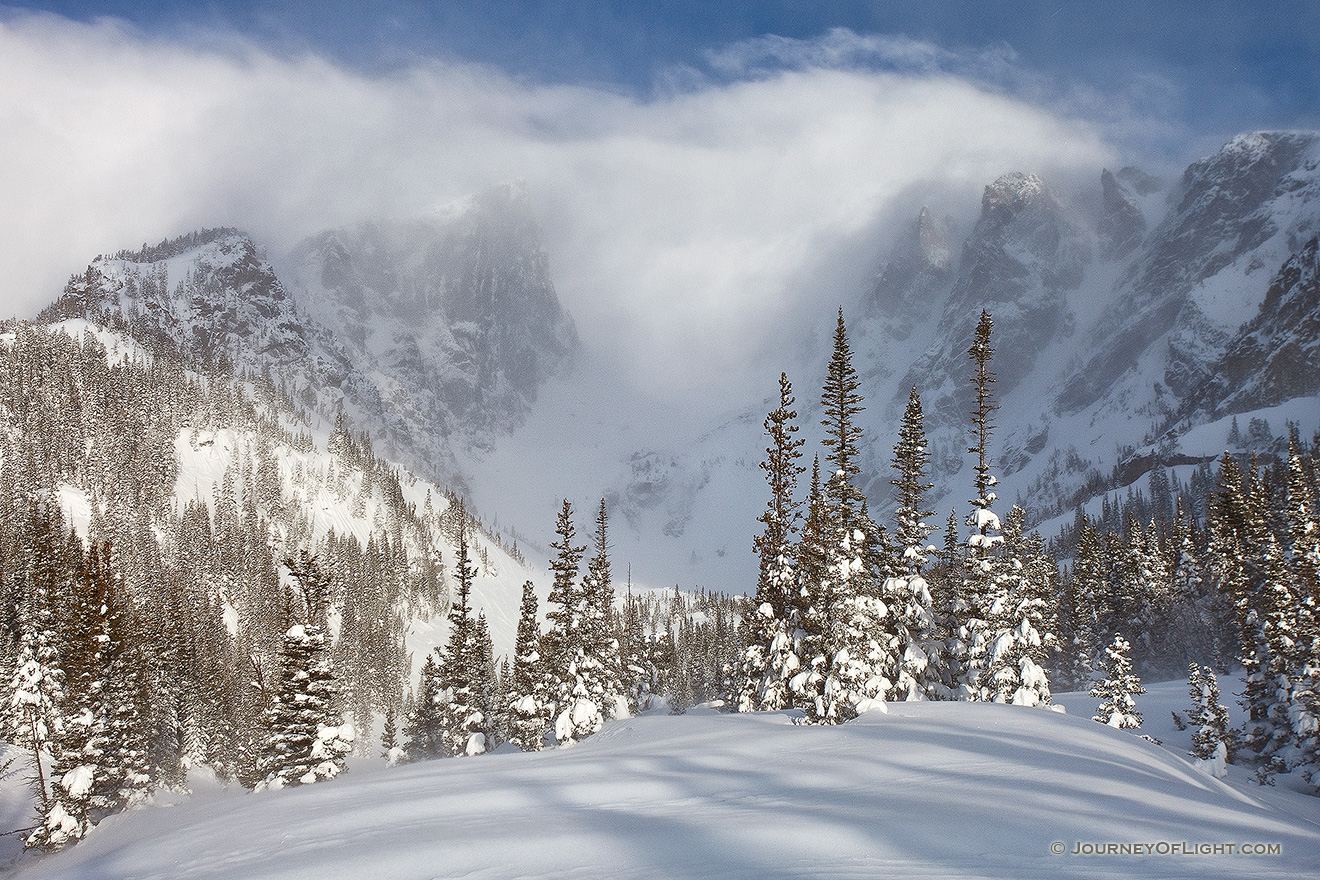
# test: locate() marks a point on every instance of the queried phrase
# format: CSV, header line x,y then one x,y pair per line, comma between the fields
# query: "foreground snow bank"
x,y
930,789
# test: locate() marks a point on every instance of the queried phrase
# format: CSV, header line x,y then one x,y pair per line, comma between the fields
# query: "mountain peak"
x,y
1013,192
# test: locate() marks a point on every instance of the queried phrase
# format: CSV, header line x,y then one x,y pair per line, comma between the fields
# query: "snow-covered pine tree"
x,y
390,749
1303,526
462,682
910,487
125,779
982,584
814,598
862,643
529,716
1118,688
575,713
771,659
1192,631
1090,591
907,594
36,690
99,759
560,642
637,657
422,733
1212,738
308,739
841,403
74,759
599,663
1019,621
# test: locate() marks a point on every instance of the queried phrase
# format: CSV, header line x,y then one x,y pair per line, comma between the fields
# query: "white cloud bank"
x,y
682,229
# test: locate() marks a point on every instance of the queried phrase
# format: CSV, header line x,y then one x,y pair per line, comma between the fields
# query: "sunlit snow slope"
x,y
928,790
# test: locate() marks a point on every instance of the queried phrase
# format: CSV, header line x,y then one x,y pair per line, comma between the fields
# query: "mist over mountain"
x,y
1126,314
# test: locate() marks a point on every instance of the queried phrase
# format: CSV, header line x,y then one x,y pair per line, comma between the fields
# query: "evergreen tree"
x,y
815,597
560,642
37,682
389,739
308,738
771,658
984,585
423,732
910,461
463,678
841,403
1019,621
1212,738
528,713
575,713
1118,688
598,662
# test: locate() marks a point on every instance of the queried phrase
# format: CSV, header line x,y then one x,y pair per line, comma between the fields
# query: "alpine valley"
x,y
388,416
1137,322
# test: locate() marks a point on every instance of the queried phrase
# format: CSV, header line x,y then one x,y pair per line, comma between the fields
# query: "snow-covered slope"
x,y
433,335
927,790
454,316
1128,317
1129,313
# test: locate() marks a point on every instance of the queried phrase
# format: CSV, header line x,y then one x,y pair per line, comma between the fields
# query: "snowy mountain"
x,y
434,335
454,316
1128,314
928,790
1128,317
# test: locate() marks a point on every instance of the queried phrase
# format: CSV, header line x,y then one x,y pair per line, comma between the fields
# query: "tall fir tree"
x,y
599,663
463,678
910,487
529,716
841,403
771,659
1212,736
983,584
1019,624
307,739
575,714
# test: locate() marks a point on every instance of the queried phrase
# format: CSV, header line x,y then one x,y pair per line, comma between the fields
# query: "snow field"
x,y
927,790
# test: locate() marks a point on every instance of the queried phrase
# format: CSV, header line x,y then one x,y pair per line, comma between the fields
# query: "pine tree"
x,y
529,716
423,733
841,403
34,718
983,584
1018,621
308,738
771,658
389,739
575,713
1118,688
462,680
1212,738
561,640
910,461
598,662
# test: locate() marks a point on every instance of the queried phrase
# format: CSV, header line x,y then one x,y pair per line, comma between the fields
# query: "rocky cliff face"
x,y
1275,357
433,335
457,315
1235,217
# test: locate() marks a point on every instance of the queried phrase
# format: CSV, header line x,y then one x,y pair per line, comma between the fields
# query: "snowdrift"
x,y
927,790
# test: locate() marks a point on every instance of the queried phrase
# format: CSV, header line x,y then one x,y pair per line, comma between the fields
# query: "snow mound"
x,y
930,789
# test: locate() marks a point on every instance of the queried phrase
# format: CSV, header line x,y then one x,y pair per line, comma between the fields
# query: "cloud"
x,y
686,231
